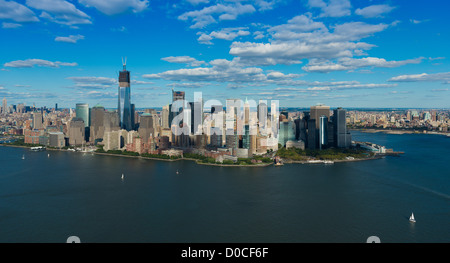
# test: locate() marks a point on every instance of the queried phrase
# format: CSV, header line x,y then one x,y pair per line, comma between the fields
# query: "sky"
x,y
341,53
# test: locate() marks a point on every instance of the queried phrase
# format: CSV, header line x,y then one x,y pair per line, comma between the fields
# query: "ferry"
x,y
37,148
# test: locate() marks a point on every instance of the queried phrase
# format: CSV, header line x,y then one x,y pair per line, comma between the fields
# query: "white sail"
x,y
411,218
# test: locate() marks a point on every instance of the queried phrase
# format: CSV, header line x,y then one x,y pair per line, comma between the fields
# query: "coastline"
x,y
376,157
398,132
286,161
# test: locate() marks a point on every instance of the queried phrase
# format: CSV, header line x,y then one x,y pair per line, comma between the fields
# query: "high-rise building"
x,y
133,116
317,111
165,117
82,112
4,106
342,138
124,104
262,111
287,132
323,132
177,95
76,131
97,123
56,139
196,118
146,126
37,121
312,134
111,121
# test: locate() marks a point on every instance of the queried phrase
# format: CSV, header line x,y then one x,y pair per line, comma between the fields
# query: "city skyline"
x,y
340,53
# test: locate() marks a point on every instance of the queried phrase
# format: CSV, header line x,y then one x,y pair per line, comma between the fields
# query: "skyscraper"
x,y
196,117
124,107
37,121
76,131
323,132
342,138
146,127
165,117
111,121
319,110
97,123
177,95
82,112
4,106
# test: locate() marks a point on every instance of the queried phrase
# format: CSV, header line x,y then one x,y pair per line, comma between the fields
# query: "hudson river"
x,y
48,199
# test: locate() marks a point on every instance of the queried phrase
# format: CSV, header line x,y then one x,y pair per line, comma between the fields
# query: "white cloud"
x,y
222,70
60,11
114,7
415,21
93,80
11,10
353,63
29,63
303,38
184,60
196,2
293,51
225,34
441,77
204,17
69,39
374,10
10,25
119,29
332,8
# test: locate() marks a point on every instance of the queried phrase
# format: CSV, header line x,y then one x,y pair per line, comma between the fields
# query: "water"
x,y
47,199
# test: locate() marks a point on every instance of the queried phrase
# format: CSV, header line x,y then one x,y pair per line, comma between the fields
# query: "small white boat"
x,y
48,155
177,172
122,177
23,157
411,218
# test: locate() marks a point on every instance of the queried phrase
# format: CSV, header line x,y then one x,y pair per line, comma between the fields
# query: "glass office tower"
x,y
82,112
323,132
124,106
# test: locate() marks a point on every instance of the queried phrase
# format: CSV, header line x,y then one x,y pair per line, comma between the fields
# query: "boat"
x,y
177,172
23,157
411,218
278,161
48,155
37,148
314,161
122,177
328,162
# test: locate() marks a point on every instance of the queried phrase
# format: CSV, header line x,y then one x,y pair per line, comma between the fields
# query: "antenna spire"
x,y
124,63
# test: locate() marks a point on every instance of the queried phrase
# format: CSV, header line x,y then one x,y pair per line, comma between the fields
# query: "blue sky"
x,y
349,53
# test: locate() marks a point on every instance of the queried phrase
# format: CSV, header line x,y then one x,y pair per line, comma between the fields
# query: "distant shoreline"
x,y
398,132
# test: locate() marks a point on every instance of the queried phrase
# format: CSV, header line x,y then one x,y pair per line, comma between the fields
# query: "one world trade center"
x,y
124,107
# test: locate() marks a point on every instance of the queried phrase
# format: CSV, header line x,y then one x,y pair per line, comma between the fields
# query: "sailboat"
x,y
122,176
48,155
411,218
177,172
23,157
